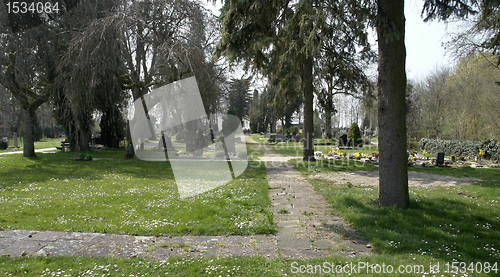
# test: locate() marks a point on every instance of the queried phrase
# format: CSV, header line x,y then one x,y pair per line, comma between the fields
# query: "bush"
x,y
354,135
38,133
3,145
491,148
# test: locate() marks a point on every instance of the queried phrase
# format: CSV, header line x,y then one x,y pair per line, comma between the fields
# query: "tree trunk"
x,y
307,86
393,182
28,133
328,124
84,139
129,150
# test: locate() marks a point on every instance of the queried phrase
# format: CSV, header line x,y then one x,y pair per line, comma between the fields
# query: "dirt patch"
x,y
415,179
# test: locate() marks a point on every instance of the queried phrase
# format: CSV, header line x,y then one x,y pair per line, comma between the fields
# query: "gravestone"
x,y
209,139
297,138
440,159
343,142
200,143
230,142
267,135
165,143
190,139
15,140
280,138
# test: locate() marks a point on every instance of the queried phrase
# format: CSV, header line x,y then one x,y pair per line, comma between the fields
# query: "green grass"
x,y
233,266
43,143
460,223
111,195
48,143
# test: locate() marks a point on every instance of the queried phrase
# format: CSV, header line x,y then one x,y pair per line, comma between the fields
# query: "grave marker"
x,y
440,159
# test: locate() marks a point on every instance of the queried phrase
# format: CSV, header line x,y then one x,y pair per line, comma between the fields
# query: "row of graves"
x,y
194,143
282,138
422,160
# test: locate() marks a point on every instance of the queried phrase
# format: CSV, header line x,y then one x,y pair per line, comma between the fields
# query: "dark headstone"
x,y
440,159
297,138
343,142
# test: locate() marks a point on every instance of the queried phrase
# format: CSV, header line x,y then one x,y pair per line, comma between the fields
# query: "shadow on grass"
x,y
61,166
436,226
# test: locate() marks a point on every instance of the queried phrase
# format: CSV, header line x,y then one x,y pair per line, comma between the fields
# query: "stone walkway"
x,y
36,151
307,228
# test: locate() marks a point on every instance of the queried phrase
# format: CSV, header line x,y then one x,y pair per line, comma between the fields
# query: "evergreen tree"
x,y
238,98
284,39
354,135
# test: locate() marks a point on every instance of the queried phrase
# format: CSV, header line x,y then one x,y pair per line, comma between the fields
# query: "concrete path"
x,y
307,228
36,151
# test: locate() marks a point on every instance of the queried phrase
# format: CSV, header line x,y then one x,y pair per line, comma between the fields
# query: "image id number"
x,y
33,7
461,267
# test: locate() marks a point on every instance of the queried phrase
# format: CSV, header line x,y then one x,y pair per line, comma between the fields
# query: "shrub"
x,y
294,130
354,135
3,145
491,148
38,135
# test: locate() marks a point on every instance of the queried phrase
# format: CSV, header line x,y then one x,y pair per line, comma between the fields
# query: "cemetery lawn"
x,y
111,195
444,224
43,143
294,149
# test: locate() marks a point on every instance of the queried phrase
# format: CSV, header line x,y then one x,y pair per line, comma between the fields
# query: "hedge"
x,y
490,148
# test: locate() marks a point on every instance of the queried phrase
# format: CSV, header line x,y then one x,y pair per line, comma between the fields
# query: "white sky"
x,y
424,50
423,41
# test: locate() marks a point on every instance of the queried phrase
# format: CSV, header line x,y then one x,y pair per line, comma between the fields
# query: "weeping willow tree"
x,y
138,46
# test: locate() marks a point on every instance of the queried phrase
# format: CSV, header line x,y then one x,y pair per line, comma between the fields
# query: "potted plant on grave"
x,y
480,155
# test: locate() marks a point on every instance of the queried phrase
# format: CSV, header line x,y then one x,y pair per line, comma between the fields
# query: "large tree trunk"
x,y
328,124
84,139
28,133
307,86
393,182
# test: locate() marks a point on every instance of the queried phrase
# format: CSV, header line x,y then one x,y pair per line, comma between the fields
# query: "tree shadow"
x,y
439,227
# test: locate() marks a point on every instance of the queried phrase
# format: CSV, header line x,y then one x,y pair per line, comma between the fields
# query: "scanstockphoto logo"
x,y
170,124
